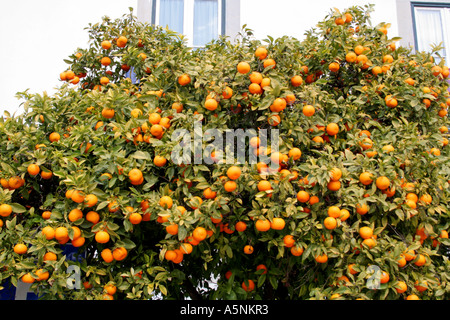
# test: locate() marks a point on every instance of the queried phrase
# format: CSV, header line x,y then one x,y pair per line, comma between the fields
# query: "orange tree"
x,y
356,209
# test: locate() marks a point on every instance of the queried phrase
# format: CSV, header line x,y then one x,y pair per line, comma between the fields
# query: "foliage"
x,y
96,153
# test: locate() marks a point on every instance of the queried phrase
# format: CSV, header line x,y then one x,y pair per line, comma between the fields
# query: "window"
x,y
199,20
431,24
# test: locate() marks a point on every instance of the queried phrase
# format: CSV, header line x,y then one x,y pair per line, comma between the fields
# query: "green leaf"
x,y
18,208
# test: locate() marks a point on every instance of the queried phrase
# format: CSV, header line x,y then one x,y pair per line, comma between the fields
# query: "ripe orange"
x,y
265,83
350,269
227,93
362,59
334,185
384,278
296,251
154,118
303,196
106,255
110,288
33,169
78,242
113,206
243,67
177,106
308,110
78,196
50,256
199,234
269,63
105,61
365,178
264,185
211,104
296,81
61,233
366,143
75,214
401,261
334,67
339,21
230,186
248,285
159,161
46,175
336,174
135,218
166,202
420,260
43,275
262,225
255,88
90,200
27,278
334,212
184,79
295,153
234,172
119,253
330,223
421,286
278,105
377,70
48,232
350,57
106,44
261,267
425,199
194,200
172,229
391,101
365,232
345,214
248,249
409,255
362,209
370,242
382,183
54,136
157,131
277,224
274,120
93,217
240,226
288,241
322,258
186,248
108,113
209,194
261,53
412,297
102,236
256,77
5,210
104,81
20,248
170,255
122,41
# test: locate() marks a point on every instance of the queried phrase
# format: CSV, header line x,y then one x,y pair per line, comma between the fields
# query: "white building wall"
x,y
294,17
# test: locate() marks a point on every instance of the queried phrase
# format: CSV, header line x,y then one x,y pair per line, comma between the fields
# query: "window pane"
x,y
206,21
171,14
429,29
